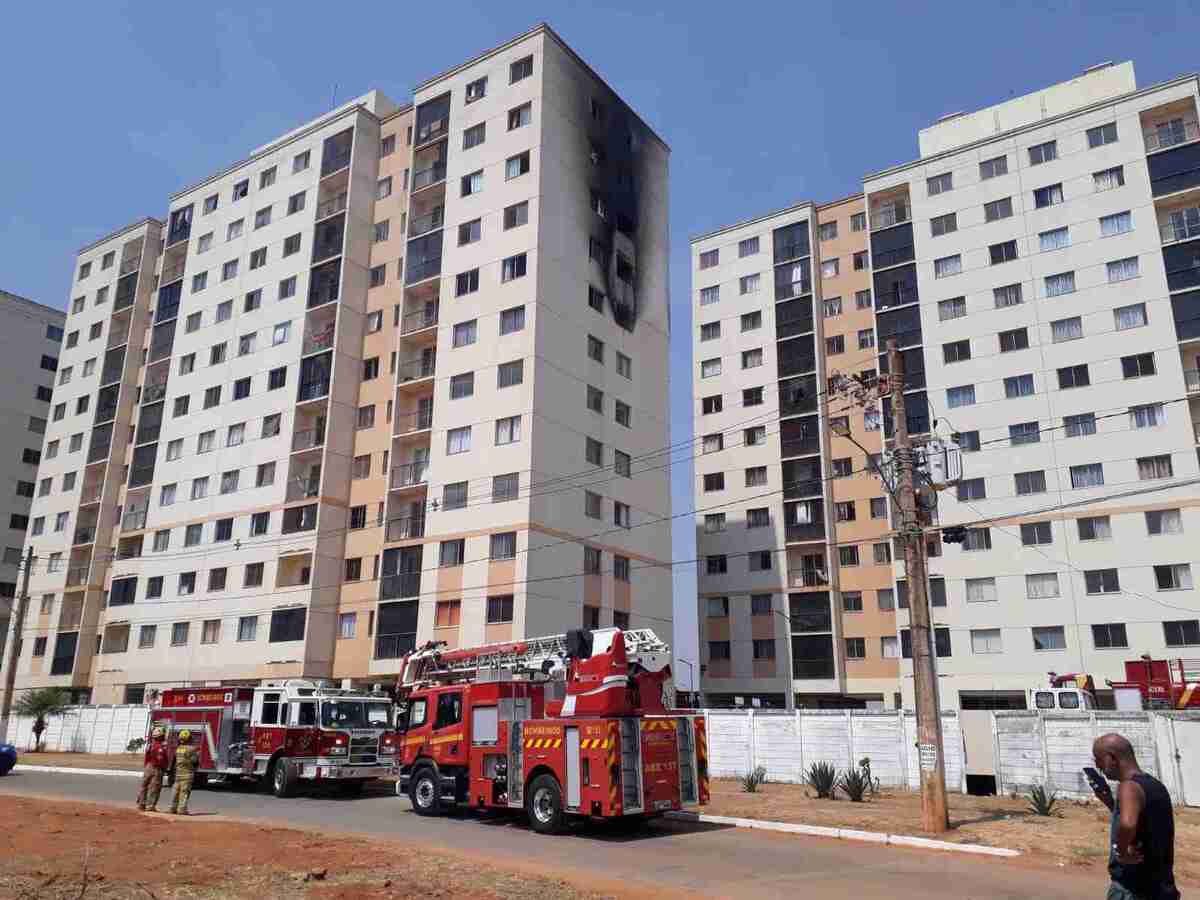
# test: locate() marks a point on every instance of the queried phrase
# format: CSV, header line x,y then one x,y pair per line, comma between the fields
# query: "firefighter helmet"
x,y
157,734
185,736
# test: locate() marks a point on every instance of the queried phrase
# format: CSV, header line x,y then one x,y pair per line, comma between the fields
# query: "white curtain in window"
x,y
981,590
1041,585
1130,316
1063,283
1090,475
1149,416
1055,240
458,440
1123,269
1066,329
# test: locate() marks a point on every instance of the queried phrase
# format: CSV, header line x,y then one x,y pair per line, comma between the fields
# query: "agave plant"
x,y
855,784
1042,801
823,778
752,780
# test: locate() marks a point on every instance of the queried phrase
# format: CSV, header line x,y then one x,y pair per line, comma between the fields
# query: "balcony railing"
x,y
899,297
76,576
85,534
431,131
807,578
814,532
887,216
148,433
124,299
105,413
1168,135
321,293
97,452
1191,379
91,494
328,248
134,519
405,528
312,390
812,668
308,439
117,337
172,273
154,392
397,585
132,550
303,487
416,369
420,320
419,270
394,646
130,265
421,420
429,176
315,343
332,206
140,476
160,350
335,161
409,474
1181,224
429,222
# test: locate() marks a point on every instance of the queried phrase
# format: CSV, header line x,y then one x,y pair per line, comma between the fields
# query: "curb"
x,y
67,770
847,834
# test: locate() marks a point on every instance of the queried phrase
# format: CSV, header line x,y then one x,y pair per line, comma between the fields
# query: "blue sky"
x,y
112,106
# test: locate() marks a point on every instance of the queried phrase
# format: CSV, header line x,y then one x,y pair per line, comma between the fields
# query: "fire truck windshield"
x,y
356,714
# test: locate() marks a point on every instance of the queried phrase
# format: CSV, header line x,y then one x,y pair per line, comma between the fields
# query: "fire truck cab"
x,y
566,726
282,732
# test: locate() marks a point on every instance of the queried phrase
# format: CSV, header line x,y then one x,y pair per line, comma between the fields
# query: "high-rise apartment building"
x,y
1038,267
30,341
398,376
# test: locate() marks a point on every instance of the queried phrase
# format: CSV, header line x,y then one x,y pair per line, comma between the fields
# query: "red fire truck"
x,y
1158,684
282,732
568,726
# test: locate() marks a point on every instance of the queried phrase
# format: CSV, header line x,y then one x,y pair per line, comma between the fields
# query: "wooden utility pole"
x,y
930,757
15,628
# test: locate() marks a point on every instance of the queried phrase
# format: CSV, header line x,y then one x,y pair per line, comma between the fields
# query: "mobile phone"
x,y
1098,782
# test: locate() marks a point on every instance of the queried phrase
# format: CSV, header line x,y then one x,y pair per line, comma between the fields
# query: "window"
x,y
187,584
955,308
462,385
1149,415
751,321
977,539
447,613
939,184
229,481
848,556
834,345
956,351
1101,581
265,474
1079,425
1049,637
1030,482
1101,135
748,284
506,487
287,625
710,331
997,209
1043,153
287,288
1034,533
986,640
1057,285
254,575
1055,239
1182,633
199,488
971,489
964,395
1073,377
752,359
981,590
756,476
508,430
945,224
1137,366
1087,475
513,267
710,295
1152,467
476,90
179,634
452,553
991,168
1164,521
621,463
522,68
595,399
1094,528
295,203
510,374
1066,329
260,523
947,265
1003,252
1122,269
474,136
1109,635
504,546
1016,339
710,258
1117,223
472,183
458,440
844,511
520,116
829,268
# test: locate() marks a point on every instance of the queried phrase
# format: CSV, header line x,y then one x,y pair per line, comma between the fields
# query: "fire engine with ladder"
x,y
568,726
282,732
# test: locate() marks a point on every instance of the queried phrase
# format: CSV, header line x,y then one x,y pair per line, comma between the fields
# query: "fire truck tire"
x,y
426,793
544,805
283,782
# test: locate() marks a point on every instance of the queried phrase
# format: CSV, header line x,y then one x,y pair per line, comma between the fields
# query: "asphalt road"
x,y
670,857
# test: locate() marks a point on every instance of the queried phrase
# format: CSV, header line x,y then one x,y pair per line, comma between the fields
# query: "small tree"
x,y
39,704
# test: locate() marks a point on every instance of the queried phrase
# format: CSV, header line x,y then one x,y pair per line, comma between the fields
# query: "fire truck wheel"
x,y
545,805
426,793
282,779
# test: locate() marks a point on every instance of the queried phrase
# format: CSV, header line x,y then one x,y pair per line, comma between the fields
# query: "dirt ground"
x,y
1076,836
83,760
66,851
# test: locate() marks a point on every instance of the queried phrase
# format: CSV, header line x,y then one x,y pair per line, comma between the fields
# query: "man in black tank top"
x,y
1142,859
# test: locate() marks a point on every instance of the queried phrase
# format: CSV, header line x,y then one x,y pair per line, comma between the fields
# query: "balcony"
x,y
399,584
134,518
394,646
154,392
1191,379
140,476
318,341
77,575
98,451
889,214
1181,225
105,412
312,390
130,265
405,528
334,160
323,284
91,494
416,369
807,578
420,319
303,487
1171,134
409,475
126,293
172,272
429,222
428,176
413,422
419,270
85,534
332,206
118,337
300,518
308,439
328,238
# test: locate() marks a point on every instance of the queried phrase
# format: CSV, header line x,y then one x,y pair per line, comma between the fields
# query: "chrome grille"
x,y
364,750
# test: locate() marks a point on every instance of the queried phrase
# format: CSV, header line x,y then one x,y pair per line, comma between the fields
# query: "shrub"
x,y
135,745
752,780
1042,801
823,778
855,784
872,782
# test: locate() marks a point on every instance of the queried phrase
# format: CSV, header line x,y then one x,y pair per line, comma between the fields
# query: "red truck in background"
x,y
567,726
1158,684
282,732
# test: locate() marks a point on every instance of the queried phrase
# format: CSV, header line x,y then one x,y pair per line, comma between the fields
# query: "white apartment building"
x,y
1038,263
30,340
398,376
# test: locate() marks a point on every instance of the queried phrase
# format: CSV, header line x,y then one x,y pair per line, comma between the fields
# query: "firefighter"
x,y
154,763
187,759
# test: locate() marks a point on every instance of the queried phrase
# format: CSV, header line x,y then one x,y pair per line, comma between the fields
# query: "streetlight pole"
x,y
691,679
14,645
